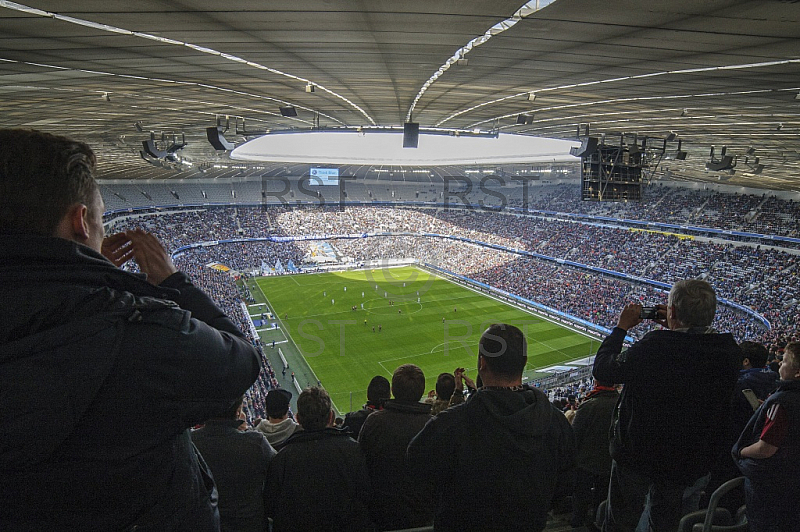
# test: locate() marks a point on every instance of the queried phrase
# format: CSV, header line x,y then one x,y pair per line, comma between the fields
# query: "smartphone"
x,y
751,398
649,313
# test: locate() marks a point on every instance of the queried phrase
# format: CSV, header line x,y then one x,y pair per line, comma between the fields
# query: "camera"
x,y
649,313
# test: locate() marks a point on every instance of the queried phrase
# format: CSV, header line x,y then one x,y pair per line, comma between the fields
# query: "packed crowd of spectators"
x,y
756,213
759,277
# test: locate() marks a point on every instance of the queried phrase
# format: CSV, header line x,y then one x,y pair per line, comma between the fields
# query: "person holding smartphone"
x,y
669,424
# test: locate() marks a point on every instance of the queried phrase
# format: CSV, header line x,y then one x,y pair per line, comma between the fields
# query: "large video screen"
x,y
324,176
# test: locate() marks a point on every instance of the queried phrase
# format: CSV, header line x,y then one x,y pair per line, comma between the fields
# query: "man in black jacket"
x,y
319,480
378,392
397,500
102,371
497,461
238,459
671,421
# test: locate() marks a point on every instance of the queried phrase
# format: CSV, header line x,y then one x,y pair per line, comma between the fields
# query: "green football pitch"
x,y
350,326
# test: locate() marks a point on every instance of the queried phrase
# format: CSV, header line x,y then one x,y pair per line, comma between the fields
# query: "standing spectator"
x,y
378,392
674,409
439,399
238,460
397,499
117,366
497,461
278,426
592,461
768,453
319,480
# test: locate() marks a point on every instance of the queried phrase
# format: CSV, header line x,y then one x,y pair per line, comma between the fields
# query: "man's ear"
x,y
331,418
745,361
73,225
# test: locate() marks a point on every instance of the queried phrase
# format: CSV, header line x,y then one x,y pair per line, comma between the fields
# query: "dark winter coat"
x,y
318,481
398,500
672,418
238,461
101,375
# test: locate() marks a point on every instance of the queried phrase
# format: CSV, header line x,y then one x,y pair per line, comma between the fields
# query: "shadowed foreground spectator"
x,y
319,480
592,460
378,392
102,372
497,461
238,460
398,500
673,413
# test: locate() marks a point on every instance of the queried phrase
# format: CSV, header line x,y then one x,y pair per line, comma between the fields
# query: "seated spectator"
x,y
278,426
768,453
378,392
497,461
439,399
754,376
397,500
238,461
319,480
761,381
592,461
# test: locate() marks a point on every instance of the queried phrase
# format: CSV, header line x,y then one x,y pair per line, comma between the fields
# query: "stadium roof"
x,y
716,72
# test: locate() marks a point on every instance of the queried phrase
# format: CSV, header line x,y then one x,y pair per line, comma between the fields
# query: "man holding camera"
x,y
668,426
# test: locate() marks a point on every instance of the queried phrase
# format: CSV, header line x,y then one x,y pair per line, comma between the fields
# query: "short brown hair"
x,y
41,177
314,408
408,383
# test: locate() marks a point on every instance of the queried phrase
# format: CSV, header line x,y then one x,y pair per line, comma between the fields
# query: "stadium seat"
x,y
715,519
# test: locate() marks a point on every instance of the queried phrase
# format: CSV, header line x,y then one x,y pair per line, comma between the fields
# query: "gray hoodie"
x,y
278,433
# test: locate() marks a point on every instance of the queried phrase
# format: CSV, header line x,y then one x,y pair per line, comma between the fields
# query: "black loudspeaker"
x,y
151,150
588,147
288,111
410,134
217,140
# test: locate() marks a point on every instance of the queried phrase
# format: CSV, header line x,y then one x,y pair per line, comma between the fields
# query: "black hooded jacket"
x,y
496,461
101,375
